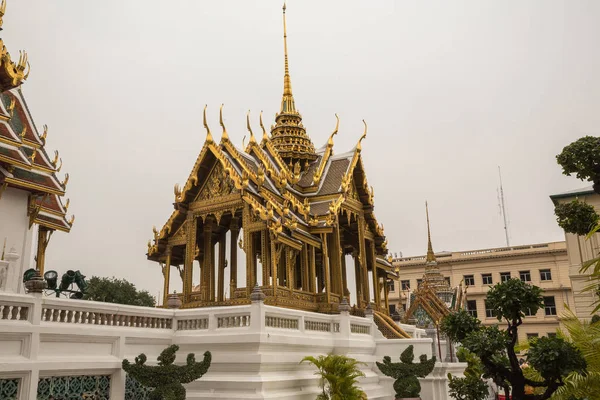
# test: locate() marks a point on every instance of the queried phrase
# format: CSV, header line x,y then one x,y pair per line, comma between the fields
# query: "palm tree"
x,y
339,375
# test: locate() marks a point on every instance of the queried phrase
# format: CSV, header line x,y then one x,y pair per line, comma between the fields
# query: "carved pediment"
x,y
217,184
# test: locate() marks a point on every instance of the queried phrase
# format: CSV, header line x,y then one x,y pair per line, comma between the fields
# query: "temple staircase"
x,y
387,326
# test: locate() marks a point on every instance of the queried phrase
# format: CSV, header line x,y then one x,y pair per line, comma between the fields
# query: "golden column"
x,y
326,269
362,254
312,273
274,262
249,247
234,232
357,278
44,235
376,293
386,295
221,283
305,272
167,276
264,256
190,254
207,260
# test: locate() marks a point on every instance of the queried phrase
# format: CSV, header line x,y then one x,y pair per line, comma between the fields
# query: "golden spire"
x,y
287,103
430,255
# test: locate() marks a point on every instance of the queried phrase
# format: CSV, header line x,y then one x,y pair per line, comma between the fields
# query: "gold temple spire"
x,y
287,102
430,254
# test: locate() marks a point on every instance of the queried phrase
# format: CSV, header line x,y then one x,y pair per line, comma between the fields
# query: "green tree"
x,y
576,217
339,375
553,358
582,158
472,386
113,290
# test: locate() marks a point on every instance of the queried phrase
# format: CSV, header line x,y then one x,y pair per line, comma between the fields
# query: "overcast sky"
x,y
450,90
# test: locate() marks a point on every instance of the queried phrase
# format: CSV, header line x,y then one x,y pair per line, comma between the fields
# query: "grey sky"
x,y
450,90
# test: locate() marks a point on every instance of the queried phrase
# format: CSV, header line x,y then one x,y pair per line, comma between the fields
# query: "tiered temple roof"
x,y
24,161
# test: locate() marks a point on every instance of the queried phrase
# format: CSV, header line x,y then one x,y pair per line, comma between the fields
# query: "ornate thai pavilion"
x,y
296,212
24,163
434,298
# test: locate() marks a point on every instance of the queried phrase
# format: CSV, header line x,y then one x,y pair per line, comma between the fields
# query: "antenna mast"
x,y
503,208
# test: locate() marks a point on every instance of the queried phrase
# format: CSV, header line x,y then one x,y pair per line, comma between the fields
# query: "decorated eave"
x,y
12,74
25,164
297,205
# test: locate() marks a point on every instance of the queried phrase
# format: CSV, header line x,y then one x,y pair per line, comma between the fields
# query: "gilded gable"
x,y
217,184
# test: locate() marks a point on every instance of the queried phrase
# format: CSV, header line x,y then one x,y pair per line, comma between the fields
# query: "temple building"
x,y
433,298
298,213
30,191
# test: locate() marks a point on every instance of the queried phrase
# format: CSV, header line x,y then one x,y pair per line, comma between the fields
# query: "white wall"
x,y
256,348
14,227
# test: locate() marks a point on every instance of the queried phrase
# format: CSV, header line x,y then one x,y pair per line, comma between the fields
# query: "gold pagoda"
x,y
296,211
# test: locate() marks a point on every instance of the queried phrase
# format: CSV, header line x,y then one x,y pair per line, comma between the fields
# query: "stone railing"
x,y
255,317
106,314
15,307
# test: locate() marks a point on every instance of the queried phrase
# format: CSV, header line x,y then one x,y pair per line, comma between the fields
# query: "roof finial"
x,y
209,137
265,136
335,131
430,254
224,136
252,138
287,103
364,136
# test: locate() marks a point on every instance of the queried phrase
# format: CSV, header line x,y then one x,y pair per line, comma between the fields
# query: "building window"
x,y
405,285
504,276
391,285
469,280
404,307
419,281
487,279
531,336
527,312
489,312
472,307
545,275
525,276
549,305
447,279
392,309
551,334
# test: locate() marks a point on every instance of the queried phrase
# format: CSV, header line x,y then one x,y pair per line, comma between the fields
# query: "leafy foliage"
x,y
113,290
166,377
339,375
459,325
406,372
584,336
582,158
576,217
510,299
467,388
471,387
554,357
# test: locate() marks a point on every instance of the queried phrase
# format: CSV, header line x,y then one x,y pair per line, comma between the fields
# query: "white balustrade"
x,y
14,312
360,329
192,324
319,326
279,322
233,321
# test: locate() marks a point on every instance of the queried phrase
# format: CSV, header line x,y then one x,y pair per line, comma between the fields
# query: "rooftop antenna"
x,y
502,207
